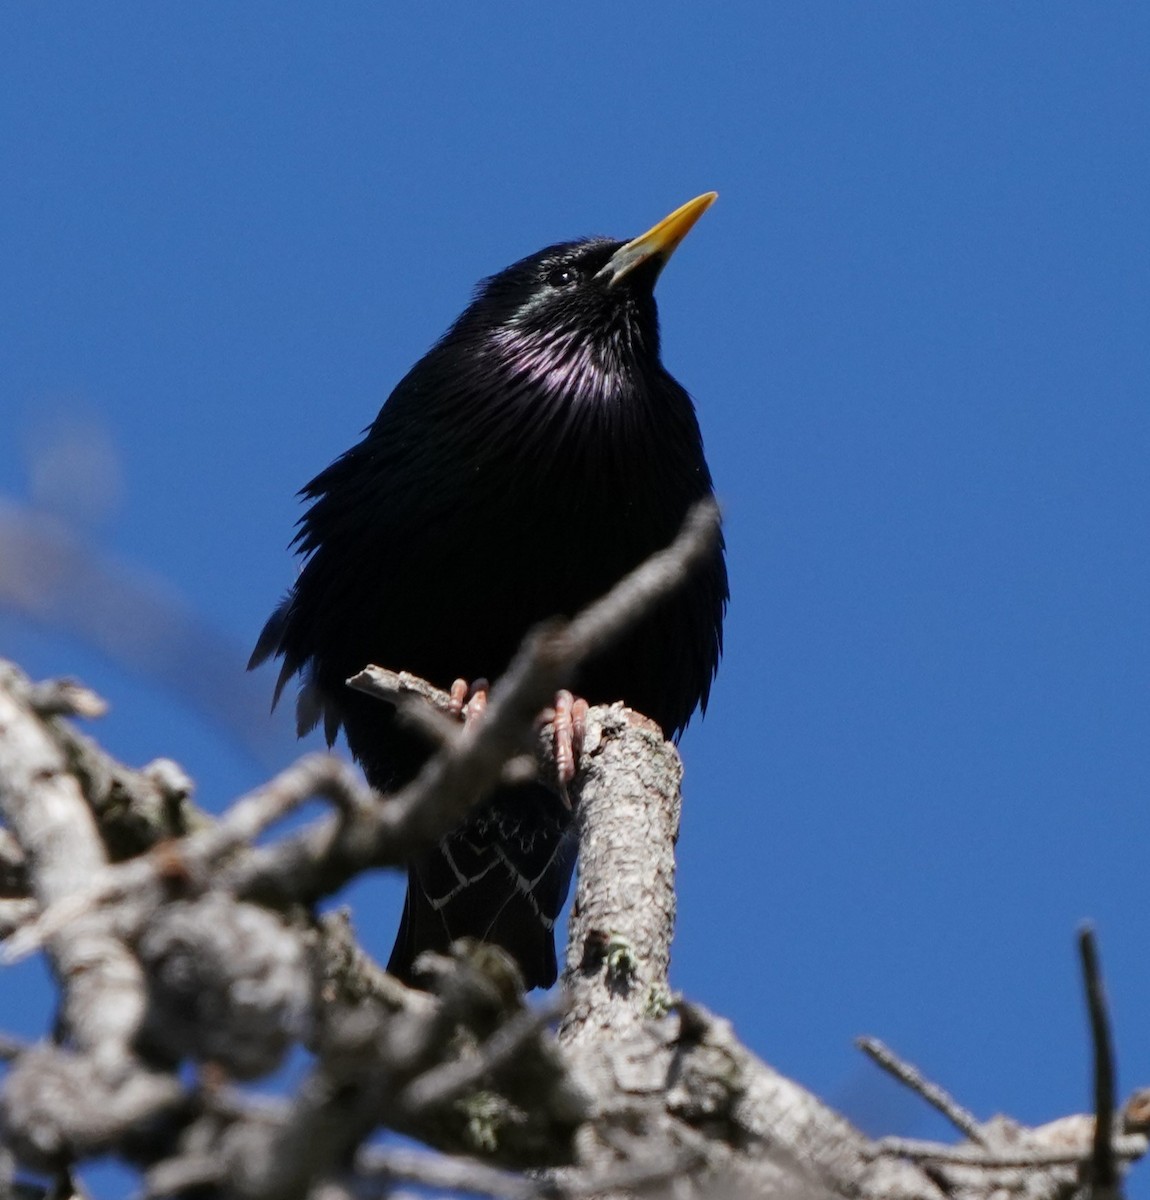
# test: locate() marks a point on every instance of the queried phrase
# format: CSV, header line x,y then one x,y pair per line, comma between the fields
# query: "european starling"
x,y
536,454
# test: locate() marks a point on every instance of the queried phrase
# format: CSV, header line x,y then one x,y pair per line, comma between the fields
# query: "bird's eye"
x,y
559,277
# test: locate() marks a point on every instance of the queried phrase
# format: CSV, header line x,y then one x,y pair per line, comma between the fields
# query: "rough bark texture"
x,y
619,941
175,939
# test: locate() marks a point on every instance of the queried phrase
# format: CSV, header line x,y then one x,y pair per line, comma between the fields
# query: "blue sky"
x,y
915,325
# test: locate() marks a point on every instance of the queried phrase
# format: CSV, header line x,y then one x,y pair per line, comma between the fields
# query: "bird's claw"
x,y
568,719
469,700
569,730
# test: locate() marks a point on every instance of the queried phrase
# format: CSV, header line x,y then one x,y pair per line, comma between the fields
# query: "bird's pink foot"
x,y
569,729
567,717
469,701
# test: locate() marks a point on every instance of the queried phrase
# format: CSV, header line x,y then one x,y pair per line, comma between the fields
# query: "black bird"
x,y
532,457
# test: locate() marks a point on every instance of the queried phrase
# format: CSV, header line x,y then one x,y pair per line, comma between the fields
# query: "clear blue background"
x,y
916,328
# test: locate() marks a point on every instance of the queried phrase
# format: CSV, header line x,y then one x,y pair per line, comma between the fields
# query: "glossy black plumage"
x,y
532,457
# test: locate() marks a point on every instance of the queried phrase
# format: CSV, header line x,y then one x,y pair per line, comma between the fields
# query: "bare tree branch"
x,y
1103,1171
934,1095
447,1082
384,1168
147,910
321,860
44,808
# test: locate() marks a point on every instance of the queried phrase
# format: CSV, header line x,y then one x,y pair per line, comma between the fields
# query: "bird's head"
x,y
579,314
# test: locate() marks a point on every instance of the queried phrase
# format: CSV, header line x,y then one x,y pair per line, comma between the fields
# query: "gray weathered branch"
x,y
176,938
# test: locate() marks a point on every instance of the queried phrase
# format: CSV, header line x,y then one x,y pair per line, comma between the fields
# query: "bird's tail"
x,y
501,878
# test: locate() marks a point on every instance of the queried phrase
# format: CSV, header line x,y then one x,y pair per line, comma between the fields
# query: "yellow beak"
x,y
660,241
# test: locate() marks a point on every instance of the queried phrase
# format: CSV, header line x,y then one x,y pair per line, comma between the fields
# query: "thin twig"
x,y
398,687
600,623
14,914
468,1175
320,859
638,1174
1104,1173
65,698
1127,1148
456,1173
182,1174
426,709
937,1097
194,855
448,1081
